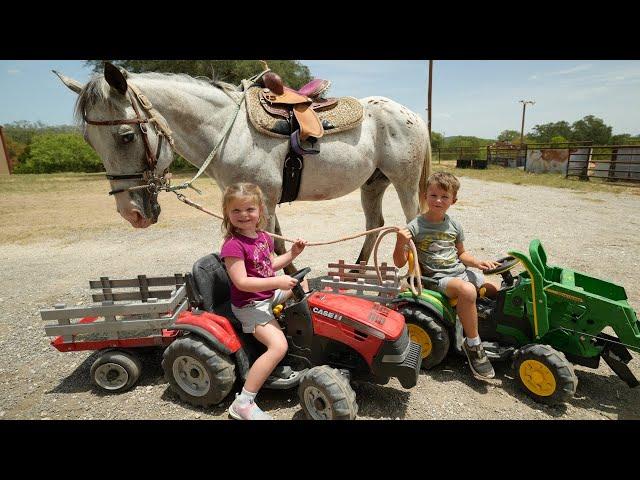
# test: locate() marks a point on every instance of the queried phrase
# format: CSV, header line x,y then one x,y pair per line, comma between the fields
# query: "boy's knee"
x,y
468,292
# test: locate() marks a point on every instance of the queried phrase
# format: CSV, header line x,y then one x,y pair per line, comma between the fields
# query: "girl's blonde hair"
x,y
242,190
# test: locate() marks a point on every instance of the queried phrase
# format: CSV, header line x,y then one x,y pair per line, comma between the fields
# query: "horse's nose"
x,y
138,220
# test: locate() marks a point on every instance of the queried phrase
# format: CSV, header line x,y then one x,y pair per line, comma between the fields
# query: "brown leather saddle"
x,y
301,105
301,115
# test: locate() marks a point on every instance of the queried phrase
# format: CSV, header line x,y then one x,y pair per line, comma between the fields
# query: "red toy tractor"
x,y
332,339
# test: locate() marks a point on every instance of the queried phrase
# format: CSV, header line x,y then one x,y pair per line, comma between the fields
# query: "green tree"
x,y
437,140
558,139
545,132
14,149
625,139
63,152
292,72
509,136
592,129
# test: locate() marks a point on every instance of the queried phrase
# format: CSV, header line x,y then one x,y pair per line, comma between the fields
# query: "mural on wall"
x,y
547,160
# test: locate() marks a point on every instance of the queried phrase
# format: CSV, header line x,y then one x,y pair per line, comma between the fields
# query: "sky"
x,y
470,97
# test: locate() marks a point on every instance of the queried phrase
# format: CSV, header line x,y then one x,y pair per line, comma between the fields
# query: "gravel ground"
x,y
592,232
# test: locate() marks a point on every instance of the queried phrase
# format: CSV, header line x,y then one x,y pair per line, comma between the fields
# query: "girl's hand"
x,y
403,236
298,247
487,265
285,282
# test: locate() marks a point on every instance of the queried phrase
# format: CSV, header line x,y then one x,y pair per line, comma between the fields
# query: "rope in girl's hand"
x,y
413,277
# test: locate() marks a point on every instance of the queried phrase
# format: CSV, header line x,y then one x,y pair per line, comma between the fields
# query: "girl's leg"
x,y
272,337
244,406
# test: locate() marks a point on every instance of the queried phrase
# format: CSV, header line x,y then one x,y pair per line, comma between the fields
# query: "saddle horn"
x,y
273,82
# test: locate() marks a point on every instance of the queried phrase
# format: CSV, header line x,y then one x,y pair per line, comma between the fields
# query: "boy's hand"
x,y
298,247
403,236
285,282
487,265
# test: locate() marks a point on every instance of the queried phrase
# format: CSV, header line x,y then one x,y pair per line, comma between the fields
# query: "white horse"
x,y
391,145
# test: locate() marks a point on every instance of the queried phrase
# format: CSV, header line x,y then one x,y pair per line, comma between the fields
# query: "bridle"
x,y
153,183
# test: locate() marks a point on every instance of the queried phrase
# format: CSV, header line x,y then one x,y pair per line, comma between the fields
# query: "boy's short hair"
x,y
445,181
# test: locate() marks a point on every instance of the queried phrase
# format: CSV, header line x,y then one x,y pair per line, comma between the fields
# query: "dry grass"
x,y
518,176
76,206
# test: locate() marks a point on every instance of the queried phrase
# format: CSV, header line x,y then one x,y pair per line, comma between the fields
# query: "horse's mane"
x,y
97,89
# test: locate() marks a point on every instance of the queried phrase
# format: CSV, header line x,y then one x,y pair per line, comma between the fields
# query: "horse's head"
x,y
121,125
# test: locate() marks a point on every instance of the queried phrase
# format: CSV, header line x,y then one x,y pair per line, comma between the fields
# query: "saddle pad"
x,y
346,114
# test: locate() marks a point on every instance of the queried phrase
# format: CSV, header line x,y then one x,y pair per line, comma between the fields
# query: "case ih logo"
x,y
327,314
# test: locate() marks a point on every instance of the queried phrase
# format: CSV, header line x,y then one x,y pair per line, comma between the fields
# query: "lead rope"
x,y
413,275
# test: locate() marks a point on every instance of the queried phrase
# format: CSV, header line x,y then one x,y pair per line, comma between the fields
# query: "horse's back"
x,y
383,109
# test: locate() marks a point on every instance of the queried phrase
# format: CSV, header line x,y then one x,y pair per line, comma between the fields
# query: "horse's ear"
x,y
114,77
72,84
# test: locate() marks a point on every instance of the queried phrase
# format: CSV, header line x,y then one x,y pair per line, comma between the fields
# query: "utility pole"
x,y
429,98
524,108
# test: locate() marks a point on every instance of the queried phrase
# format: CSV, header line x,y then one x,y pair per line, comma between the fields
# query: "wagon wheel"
x,y
545,374
115,371
429,333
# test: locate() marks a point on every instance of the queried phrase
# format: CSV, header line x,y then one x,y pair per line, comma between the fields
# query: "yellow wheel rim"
x,y
537,377
419,336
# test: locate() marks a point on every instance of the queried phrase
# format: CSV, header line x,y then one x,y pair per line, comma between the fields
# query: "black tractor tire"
x,y
428,332
545,374
200,375
115,371
325,394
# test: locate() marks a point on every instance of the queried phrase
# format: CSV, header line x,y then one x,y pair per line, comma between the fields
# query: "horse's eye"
x,y
128,137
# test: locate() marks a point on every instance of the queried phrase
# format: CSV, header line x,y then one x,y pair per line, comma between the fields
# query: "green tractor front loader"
x,y
545,319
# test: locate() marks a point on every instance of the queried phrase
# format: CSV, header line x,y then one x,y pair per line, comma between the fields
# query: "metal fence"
x,y
610,162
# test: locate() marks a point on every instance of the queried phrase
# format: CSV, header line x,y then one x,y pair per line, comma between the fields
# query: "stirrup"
x,y
297,147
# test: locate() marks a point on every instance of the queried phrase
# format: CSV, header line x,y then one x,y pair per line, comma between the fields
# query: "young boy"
x,y
442,256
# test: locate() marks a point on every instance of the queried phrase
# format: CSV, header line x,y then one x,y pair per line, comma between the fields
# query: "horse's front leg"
x,y
279,245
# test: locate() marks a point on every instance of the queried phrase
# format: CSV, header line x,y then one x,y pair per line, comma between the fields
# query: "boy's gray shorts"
x,y
258,313
477,278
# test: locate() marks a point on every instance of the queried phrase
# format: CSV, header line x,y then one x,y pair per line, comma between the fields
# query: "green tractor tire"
x,y
429,333
545,374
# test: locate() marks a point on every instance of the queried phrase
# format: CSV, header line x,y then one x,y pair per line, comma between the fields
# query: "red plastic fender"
x,y
219,327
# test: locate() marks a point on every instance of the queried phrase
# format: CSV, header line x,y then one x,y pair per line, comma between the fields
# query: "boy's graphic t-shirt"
x,y
256,253
436,246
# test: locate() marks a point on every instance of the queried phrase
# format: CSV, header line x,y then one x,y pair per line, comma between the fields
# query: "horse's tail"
x,y
426,170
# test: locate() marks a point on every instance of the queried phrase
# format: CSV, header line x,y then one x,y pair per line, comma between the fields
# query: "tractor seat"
x,y
431,284
214,286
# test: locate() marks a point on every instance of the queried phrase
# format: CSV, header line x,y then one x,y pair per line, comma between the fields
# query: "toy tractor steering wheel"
x,y
504,267
298,292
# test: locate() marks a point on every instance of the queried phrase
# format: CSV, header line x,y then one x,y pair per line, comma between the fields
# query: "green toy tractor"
x,y
545,319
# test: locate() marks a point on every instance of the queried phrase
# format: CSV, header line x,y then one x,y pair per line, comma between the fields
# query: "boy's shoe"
x,y
478,361
247,411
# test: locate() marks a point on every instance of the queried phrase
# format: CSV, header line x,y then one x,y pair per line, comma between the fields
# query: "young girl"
x,y
255,290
